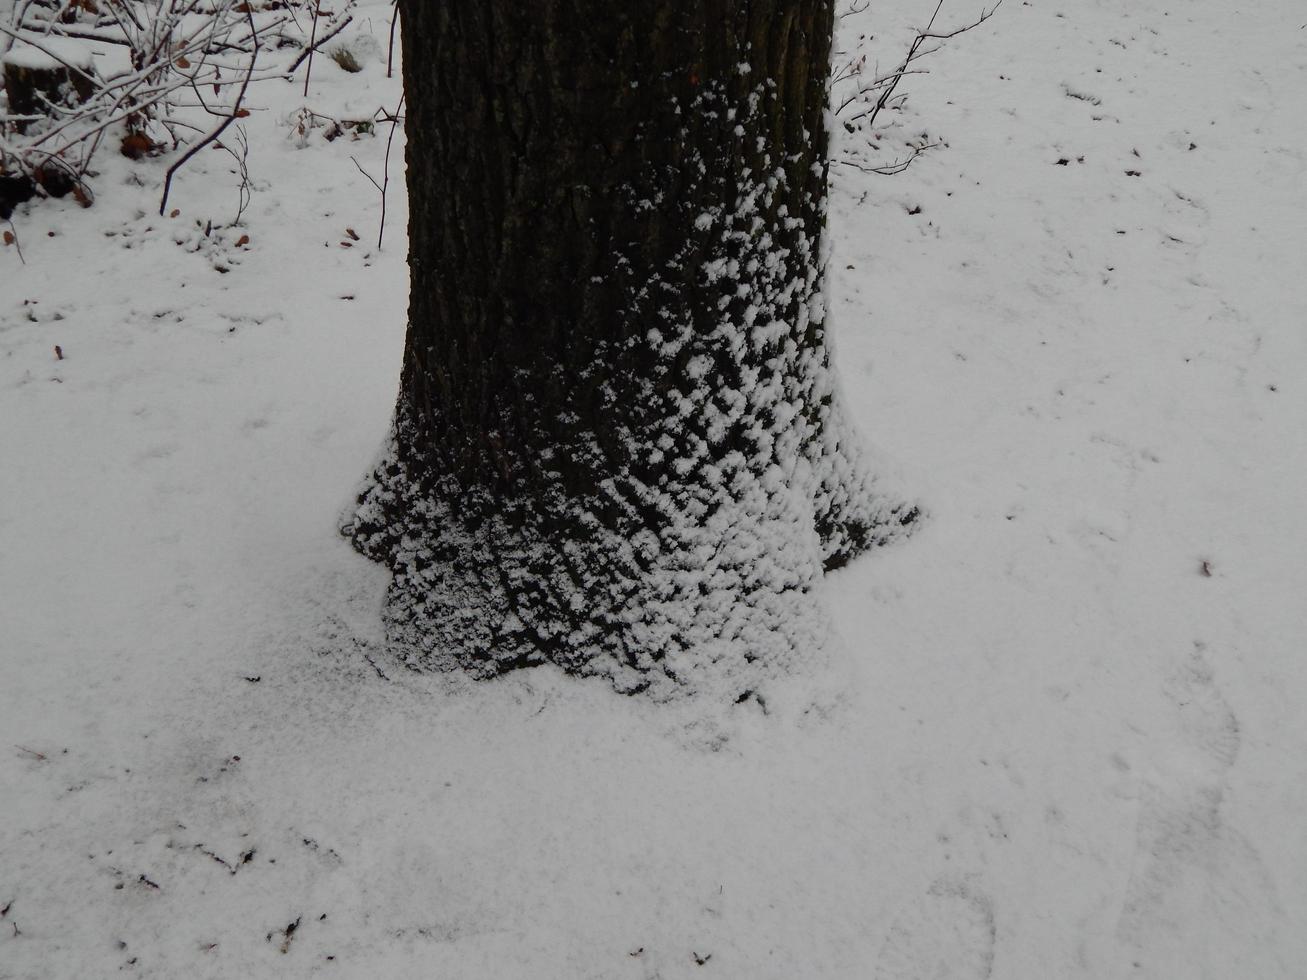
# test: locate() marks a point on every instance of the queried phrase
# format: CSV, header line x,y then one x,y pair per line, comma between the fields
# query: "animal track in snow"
x,y
947,933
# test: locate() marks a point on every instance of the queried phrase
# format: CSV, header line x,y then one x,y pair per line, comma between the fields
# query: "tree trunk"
x,y
617,445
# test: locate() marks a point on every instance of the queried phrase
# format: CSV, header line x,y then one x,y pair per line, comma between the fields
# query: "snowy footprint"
x,y
946,934
1196,882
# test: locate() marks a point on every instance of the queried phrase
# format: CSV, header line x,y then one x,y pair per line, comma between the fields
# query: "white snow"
x,y
48,52
1064,735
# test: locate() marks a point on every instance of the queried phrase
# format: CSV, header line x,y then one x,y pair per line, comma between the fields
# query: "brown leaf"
x,y
175,212
243,240
183,62
9,238
136,145
241,113
352,233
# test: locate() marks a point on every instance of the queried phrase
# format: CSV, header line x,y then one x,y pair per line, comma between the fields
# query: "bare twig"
x,y
217,130
84,33
889,169
385,180
881,91
366,174
246,192
383,186
313,44
307,53
390,51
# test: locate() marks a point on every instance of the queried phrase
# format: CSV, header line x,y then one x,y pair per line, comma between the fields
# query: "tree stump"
x,y
35,80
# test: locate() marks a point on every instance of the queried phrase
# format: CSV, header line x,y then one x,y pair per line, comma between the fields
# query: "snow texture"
x,y
1063,735
48,53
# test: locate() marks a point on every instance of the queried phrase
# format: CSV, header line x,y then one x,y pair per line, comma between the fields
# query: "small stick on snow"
x,y
313,43
390,53
290,934
384,185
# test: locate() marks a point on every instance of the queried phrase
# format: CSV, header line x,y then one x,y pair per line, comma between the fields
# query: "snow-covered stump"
x,y
618,445
40,80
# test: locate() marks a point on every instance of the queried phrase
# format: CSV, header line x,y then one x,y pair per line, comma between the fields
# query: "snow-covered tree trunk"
x,y
618,445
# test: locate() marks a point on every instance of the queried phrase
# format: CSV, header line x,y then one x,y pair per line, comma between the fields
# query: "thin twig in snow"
x,y
219,129
313,46
383,186
390,51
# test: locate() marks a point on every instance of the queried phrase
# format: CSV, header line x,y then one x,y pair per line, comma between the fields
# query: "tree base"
x,y
618,445
713,604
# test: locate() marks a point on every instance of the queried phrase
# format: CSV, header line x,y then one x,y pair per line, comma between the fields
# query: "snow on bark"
x,y
661,514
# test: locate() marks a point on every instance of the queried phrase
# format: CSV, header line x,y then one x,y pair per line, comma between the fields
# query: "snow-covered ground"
x,y
1065,738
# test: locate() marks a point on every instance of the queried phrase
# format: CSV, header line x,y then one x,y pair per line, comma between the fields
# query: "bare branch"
x,y
216,131
881,91
314,46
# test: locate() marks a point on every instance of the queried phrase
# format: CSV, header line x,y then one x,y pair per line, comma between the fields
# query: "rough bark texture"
x,y
617,445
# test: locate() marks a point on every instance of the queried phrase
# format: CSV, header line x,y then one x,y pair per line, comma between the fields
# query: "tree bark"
x,y
618,445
